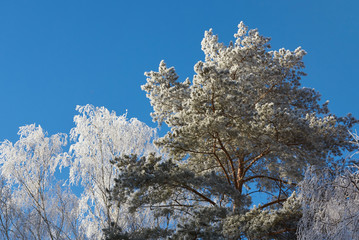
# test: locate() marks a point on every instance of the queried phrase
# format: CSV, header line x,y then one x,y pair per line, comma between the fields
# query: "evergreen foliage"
x,y
243,122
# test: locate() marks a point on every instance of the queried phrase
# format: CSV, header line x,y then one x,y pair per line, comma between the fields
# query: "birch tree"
x,y
330,202
99,137
32,205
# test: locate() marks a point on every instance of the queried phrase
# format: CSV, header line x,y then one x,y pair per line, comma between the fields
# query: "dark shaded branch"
x,y
274,202
198,194
220,163
282,231
265,152
271,178
229,159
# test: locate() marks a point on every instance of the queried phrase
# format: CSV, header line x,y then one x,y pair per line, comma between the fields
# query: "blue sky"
x,y
55,55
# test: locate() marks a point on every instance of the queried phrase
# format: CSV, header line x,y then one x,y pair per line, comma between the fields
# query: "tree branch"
x,y
271,178
274,202
198,194
265,152
229,159
220,163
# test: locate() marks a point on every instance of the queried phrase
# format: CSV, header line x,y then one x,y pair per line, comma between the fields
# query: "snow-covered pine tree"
x,y
244,124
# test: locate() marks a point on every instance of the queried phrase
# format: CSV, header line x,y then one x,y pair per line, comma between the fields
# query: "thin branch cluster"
x,y
34,204
330,204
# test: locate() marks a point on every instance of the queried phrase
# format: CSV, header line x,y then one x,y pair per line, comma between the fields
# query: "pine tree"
x,y
244,122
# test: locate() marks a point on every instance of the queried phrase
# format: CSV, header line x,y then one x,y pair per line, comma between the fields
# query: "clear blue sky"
x,y
55,55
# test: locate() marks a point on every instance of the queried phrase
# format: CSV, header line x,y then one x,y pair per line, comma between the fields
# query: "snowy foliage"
x,y
264,224
33,157
244,118
99,137
32,205
330,199
243,125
